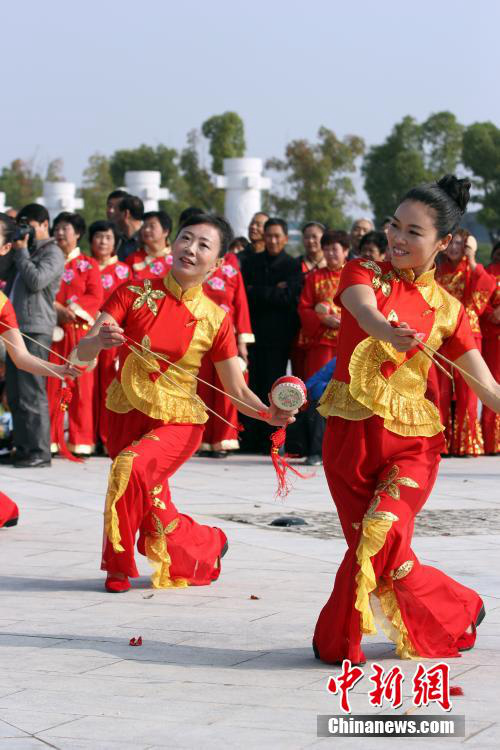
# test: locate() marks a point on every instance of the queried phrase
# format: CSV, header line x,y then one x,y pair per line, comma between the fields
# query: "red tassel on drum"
x,y
288,394
64,402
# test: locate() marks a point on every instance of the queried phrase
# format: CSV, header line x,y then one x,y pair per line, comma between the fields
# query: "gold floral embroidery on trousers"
x,y
403,570
391,482
157,502
158,556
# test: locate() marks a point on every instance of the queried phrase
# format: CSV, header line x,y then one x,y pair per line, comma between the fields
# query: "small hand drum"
x,y
289,393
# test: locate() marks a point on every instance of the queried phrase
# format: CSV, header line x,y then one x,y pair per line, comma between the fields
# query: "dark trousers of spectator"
x,y
27,397
305,436
265,365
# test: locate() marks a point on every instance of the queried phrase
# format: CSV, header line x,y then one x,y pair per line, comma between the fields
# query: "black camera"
x,y
22,231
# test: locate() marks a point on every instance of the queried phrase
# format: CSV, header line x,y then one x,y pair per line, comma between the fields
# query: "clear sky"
x,y
81,77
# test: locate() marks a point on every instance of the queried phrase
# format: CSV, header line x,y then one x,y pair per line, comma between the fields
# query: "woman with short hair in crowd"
x,y
103,239
77,303
153,259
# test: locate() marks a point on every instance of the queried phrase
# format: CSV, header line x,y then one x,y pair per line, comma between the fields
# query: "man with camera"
x,y
33,270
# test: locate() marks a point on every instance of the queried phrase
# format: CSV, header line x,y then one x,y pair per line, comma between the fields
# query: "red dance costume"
x,y
156,425
318,341
8,509
81,291
462,428
226,288
299,349
113,273
490,421
146,266
381,454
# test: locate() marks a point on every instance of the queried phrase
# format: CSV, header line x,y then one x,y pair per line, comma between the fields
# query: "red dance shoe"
x,y
117,585
467,640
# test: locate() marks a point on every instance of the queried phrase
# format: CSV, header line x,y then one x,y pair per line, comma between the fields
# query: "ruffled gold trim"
x,y
400,399
337,401
119,478
375,527
159,399
390,620
116,399
157,554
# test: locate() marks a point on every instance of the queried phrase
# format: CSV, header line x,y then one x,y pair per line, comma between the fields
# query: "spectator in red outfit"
x,y
77,304
153,259
103,239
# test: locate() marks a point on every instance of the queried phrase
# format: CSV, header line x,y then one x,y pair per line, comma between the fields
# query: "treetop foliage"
x,y
311,181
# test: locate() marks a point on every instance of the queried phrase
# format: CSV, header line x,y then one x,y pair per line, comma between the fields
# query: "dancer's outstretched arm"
x,y
24,360
104,334
361,302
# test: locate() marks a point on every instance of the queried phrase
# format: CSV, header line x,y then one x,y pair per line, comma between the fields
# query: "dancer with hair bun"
x,y
384,437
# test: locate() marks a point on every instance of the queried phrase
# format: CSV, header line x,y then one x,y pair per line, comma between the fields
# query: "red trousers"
x,y
217,435
379,481
146,453
8,509
103,375
316,358
463,432
80,411
490,420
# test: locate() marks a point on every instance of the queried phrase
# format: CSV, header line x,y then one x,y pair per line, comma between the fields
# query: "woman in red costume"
x,y
490,328
467,281
156,422
225,287
153,260
384,438
103,240
16,348
319,316
312,260
77,303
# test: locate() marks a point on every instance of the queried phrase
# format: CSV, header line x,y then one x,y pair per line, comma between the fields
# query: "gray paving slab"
x,y
218,668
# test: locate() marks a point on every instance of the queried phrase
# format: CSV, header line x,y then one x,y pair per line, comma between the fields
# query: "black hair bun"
x,y
458,190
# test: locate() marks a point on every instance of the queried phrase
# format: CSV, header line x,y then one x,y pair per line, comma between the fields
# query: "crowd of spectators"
x,y
283,307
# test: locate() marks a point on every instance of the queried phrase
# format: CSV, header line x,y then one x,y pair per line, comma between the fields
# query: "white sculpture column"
x,y
146,186
60,196
243,183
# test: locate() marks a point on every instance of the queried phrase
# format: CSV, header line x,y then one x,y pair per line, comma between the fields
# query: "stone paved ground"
x,y
217,668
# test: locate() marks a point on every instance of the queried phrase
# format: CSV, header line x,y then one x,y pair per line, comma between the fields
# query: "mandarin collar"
x,y
110,262
175,289
73,254
425,279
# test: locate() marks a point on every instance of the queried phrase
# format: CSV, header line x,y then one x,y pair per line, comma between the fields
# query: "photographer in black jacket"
x,y
33,272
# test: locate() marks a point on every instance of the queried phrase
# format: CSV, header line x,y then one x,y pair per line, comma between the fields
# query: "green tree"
x,y
226,134
198,189
481,154
316,183
21,183
411,154
96,185
159,158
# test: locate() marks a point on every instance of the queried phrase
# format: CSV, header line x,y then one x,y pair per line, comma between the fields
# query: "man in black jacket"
x,y
33,276
273,281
